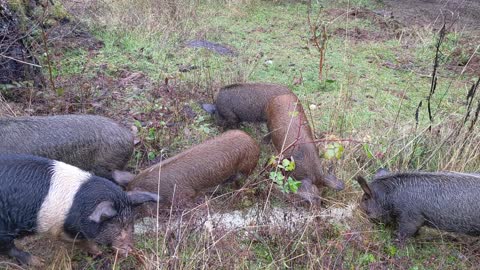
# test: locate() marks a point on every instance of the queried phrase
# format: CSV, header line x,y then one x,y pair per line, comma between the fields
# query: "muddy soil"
x,y
463,14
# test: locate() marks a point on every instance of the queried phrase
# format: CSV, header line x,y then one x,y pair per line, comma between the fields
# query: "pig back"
x,y
290,130
201,167
248,101
288,123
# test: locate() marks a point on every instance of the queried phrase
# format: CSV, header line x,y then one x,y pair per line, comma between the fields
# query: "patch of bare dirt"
x,y
463,14
67,34
361,35
465,59
382,19
385,26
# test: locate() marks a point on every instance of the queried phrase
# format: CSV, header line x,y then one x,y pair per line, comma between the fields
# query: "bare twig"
x,y
433,84
470,98
20,61
47,53
470,59
320,41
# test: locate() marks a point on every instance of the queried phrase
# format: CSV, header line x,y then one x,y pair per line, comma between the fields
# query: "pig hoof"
x,y
95,253
400,243
91,249
123,252
25,258
35,262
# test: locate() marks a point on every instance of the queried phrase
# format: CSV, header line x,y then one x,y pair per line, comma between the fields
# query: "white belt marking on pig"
x,y
64,184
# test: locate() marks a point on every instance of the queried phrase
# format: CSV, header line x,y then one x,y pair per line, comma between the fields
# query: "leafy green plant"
x,y
367,150
203,124
367,258
391,250
150,137
334,151
286,184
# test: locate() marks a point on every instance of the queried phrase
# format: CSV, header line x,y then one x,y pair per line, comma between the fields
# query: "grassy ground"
x,y
376,72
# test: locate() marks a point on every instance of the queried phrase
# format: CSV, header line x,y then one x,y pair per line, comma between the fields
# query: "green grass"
x,y
358,100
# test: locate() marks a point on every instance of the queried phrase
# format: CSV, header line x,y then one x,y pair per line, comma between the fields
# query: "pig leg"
x,y
90,248
234,178
227,119
7,247
183,197
408,226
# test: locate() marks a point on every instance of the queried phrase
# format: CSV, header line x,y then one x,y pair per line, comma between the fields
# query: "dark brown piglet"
x,y
291,135
228,157
244,102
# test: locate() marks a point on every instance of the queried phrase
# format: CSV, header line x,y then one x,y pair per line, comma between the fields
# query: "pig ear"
x,y
210,108
140,197
363,184
381,172
103,211
122,177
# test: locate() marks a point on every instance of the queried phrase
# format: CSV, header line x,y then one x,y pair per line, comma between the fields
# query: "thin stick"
x,y
20,61
468,62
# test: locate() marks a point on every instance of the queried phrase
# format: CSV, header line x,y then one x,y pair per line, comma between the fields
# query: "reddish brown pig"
x,y
292,136
228,157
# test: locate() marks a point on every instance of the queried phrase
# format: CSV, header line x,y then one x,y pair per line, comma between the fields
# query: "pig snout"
x,y
333,182
123,244
309,192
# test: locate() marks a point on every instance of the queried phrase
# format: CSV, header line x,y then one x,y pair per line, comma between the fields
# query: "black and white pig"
x,y
40,195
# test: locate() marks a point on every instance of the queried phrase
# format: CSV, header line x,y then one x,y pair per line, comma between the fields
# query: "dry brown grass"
x,y
160,18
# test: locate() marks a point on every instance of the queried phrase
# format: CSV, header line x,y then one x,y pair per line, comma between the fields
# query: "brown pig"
x,y
244,102
227,157
292,136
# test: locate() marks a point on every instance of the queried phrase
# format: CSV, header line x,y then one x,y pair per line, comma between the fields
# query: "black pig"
x,y
444,200
92,143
